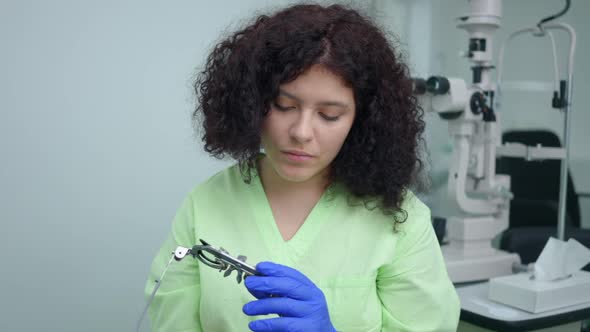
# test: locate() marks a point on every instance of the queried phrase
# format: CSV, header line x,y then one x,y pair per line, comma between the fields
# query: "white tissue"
x,y
560,259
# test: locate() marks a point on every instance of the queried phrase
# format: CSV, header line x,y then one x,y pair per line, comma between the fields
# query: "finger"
x,y
278,270
282,286
276,325
282,306
259,295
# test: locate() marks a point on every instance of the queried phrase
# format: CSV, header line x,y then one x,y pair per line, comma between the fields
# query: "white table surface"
x,y
474,298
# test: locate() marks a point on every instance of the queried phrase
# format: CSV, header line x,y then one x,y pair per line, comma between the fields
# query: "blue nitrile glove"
x,y
300,304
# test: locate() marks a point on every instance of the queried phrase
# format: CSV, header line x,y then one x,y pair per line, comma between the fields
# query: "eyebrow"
x,y
322,103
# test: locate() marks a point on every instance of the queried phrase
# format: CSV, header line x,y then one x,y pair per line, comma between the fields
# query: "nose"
x,y
302,129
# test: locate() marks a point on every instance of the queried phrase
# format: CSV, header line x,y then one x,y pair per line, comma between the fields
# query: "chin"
x,y
295,175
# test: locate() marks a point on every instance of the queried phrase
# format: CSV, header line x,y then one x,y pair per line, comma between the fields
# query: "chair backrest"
x,y
535,184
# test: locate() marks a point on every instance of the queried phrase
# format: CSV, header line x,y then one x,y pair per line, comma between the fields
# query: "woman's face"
x,y
307,124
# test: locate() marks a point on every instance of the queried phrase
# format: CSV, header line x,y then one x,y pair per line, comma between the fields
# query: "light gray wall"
x,y
97,151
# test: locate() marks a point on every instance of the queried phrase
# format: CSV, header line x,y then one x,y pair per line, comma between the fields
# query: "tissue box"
x,y
535,296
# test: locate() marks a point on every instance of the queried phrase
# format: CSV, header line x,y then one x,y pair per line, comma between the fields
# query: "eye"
x,y
282,108
329,118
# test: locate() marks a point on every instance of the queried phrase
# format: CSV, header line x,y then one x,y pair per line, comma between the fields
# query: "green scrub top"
x,y
373,279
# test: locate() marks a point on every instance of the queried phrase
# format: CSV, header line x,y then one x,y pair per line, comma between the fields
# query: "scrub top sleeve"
x,y
415,291
175,307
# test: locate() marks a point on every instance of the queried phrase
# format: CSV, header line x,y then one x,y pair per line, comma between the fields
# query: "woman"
x,y
326,208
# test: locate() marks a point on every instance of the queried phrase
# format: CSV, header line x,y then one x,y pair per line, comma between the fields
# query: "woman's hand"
x,y
288,293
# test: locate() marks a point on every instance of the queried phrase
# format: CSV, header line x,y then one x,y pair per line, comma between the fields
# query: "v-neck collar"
x,y
280,248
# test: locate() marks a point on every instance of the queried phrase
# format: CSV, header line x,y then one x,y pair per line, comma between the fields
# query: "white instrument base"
x,y
476,268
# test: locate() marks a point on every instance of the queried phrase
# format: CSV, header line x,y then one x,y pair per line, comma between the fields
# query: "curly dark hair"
x,y
379,159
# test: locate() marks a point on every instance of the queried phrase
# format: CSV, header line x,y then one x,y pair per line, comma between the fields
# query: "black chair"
x,y
534,208
535,184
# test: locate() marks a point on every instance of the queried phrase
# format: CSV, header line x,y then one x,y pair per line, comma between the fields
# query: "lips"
x,y
298,153
297,156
